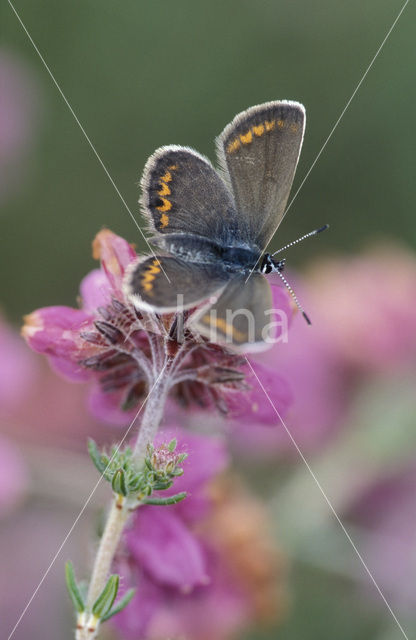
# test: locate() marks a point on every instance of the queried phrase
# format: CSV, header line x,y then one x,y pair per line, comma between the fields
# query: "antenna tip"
x,y
324,228
306,318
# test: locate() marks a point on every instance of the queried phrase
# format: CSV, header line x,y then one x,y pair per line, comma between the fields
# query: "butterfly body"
x,y
213,226
235,257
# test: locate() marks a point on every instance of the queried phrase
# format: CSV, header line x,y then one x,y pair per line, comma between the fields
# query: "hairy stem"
x,y
119,511
153,413
114,526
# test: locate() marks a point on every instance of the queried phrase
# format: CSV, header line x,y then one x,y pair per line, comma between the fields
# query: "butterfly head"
x,y
270,265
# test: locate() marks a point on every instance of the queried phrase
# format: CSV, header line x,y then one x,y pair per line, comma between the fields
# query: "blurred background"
x,y
142,74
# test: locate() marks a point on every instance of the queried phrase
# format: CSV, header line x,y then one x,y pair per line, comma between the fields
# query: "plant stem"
x,y
114,526
119,511
153,413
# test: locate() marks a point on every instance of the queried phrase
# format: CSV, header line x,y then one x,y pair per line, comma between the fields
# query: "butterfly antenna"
x,y
307,235
294,296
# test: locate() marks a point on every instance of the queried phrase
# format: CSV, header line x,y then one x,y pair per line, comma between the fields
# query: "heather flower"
x,y
122,350
36,406
17,370
368,308
316,387
364,322
385,513
205,558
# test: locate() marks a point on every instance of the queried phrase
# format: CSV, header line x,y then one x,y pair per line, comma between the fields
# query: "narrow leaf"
x,y
73,590
162,484
106,598
119,482
121,604
178,497
172,444
98,459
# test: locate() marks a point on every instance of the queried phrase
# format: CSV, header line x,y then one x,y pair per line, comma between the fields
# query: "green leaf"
x,y
172,444
162,501
162,484
121,604
119,482
100,461
106,598
73,590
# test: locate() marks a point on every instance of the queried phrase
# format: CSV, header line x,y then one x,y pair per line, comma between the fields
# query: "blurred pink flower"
x,y
386,514
13,476
315,383
363,322
18,106
108,341
180,560
368,307
17,373
36,406
17,370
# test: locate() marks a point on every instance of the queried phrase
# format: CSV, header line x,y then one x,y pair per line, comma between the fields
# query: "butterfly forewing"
x,y
182,193
258,152
166,284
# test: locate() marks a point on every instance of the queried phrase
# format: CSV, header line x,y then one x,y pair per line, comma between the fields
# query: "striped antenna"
x,y
307,235
293,294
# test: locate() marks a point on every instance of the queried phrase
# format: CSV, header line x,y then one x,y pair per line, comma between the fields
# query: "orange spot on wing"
x,y
227,329
269,125
233,146
167,177
164,191
258,130
166,206
150,274
164,220
246,138
280,124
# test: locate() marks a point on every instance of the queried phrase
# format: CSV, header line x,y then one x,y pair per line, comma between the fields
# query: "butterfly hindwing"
x,y
164,283
258,152
240,315
182,193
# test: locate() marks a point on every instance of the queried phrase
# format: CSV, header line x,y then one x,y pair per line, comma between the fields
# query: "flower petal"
x,y
163,545
107,407
95,290
54,331
268,396
115,254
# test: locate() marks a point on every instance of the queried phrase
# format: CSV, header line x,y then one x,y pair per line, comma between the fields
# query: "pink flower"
x,y
185,560
109,342
13,476
306,379
386,515
368,307
17,370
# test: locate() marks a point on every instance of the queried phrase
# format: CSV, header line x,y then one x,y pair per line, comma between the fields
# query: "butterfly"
x,y
213,226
